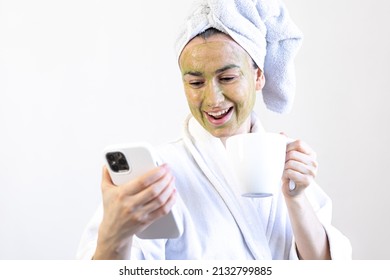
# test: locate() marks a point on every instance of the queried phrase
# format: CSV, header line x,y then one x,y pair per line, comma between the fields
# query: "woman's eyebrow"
x,y
218,71
227,67
193,73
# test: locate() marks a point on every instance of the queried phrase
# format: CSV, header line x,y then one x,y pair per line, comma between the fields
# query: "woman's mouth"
x,y
219,117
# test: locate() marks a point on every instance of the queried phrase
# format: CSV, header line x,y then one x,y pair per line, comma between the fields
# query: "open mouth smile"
x,y
219,117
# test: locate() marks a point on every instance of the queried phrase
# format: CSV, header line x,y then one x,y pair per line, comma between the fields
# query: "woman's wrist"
x,y
109,247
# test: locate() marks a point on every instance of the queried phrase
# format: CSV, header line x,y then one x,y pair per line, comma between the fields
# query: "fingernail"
x,y
165,167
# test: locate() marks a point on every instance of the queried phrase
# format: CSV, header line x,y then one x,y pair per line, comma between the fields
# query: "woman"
x,y
222,70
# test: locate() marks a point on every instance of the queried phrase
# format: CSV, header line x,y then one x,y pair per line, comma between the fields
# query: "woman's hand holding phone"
x,y
131,208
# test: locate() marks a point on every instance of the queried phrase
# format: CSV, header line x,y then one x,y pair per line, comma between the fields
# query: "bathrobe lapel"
x,y
210,155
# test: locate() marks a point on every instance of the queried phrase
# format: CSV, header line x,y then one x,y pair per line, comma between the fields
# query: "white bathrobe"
x,y
217,222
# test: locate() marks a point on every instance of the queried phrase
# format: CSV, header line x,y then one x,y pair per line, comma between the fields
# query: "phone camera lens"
x,y
115,168
110,157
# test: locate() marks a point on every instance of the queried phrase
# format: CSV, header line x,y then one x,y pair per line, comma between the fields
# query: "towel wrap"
x,y
264,29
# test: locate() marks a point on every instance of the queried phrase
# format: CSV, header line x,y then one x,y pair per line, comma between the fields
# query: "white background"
x,y
76,76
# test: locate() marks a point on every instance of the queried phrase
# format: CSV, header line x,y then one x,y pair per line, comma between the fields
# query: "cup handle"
x,y
291,183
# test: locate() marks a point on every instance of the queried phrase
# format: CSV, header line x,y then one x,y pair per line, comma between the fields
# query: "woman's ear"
x,y
260,79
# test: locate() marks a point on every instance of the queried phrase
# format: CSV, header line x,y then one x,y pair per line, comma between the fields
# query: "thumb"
x,y
106,179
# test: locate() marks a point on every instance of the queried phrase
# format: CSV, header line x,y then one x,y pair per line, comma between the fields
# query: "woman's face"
x,y
220,83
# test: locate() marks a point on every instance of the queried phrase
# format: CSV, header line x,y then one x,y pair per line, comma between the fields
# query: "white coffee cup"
x,y
258,160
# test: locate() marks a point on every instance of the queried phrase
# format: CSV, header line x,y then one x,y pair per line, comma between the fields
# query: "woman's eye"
x,y
227,79
196,83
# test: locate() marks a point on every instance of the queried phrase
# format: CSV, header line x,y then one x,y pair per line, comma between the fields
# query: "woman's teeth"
x,y
218,114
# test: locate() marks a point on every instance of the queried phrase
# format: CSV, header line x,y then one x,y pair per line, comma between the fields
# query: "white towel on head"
x,y
264,29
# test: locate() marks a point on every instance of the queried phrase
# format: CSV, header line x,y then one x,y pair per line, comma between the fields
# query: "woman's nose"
x,y
214,95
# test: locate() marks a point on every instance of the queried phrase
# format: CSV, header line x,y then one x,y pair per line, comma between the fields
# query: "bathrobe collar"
x,y
210,154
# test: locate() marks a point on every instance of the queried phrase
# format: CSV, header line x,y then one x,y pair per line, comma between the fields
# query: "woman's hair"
x,y
213,31
209,33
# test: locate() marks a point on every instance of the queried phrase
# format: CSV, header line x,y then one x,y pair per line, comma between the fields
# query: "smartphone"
x,y
128,161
